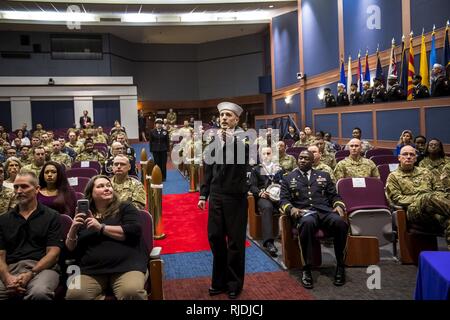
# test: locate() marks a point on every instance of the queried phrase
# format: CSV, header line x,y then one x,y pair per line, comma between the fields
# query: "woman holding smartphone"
x,y
108,245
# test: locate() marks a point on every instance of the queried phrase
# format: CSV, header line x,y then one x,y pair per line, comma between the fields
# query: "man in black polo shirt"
x,y
30,243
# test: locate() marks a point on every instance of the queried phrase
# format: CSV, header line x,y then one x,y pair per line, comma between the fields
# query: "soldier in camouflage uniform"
x,y
303,141
318,165
58,156
90,154
434,159
326,157
445,179
38,161
74,143
355,166
416,189
286,161
128,189
309,135
24,155
7,199
365,145
46,142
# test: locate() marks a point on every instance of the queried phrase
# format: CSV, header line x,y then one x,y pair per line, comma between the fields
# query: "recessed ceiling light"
x,y
271,6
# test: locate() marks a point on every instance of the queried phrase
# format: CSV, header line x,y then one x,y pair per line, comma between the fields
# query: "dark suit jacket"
x,y
82,121
318,193
159,141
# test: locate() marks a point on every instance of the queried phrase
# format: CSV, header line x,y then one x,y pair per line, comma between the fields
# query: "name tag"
x,y
84,164
73,181
359,182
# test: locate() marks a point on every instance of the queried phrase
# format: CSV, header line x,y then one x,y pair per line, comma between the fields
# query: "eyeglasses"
x,y
406,154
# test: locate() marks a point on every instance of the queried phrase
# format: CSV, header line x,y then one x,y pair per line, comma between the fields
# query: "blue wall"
x,y
320,36
358,36
5,115
362,120
437,123
53,114
293,107
285,42
425,13
106,112
390,124
326,123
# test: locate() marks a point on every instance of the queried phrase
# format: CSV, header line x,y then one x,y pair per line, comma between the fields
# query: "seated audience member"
x,y
325,157
421,147
435,159
10,152
318,165
82,135
355,166
67,150
116,149
379,91
109,247
420,91
320,135
116,129
291,134
129,150
90,154
354,96
286,161
46,142
101,133
394,92
342,96
302,141
30,243
17,143
55,191
416,189
6,196
26,132
329,98
262,176
445,178
310,198
12,168
24,155
73,143
406,139
440,85
309,135
334,144
25,141
365,145
60,157
38,161
3,133
127,188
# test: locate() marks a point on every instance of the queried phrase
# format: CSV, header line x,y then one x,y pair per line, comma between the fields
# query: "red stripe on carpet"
x,y
258,286
184,224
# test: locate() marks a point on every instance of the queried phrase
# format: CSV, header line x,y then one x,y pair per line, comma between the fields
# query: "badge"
x,y
164,132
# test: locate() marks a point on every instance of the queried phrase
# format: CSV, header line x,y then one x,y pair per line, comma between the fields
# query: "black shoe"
x,y
214,292
233,294
307,279
271,249
339,278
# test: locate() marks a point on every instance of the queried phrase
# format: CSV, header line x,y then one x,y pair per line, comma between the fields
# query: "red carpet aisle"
x,y
185,225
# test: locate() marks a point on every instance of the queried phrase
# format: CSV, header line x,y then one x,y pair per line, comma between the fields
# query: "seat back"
x,y
147,229
295,151
81,172
342,153
88,164
385,169
66,222
378,152
78,183
340,158
382,159
367,208
288,142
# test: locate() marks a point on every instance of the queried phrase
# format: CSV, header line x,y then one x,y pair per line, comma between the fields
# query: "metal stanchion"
x,y
148,181
156,190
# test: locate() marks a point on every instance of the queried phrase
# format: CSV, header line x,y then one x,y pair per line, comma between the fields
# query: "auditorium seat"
x,y
342,154
78,183
81,172
87,164
384,159
254,220
378,152
385,169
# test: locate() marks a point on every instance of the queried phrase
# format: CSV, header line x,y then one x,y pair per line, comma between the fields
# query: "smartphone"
x,y
83,205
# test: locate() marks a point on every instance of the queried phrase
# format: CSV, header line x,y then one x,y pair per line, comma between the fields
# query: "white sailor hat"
x,y
392,77
158,120
230,106
340,84
438,66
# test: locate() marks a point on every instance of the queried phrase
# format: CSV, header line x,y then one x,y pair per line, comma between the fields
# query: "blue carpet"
x,y
175,183
199,264
138,147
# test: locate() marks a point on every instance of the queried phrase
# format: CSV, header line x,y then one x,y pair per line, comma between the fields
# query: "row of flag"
x,y
407,69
